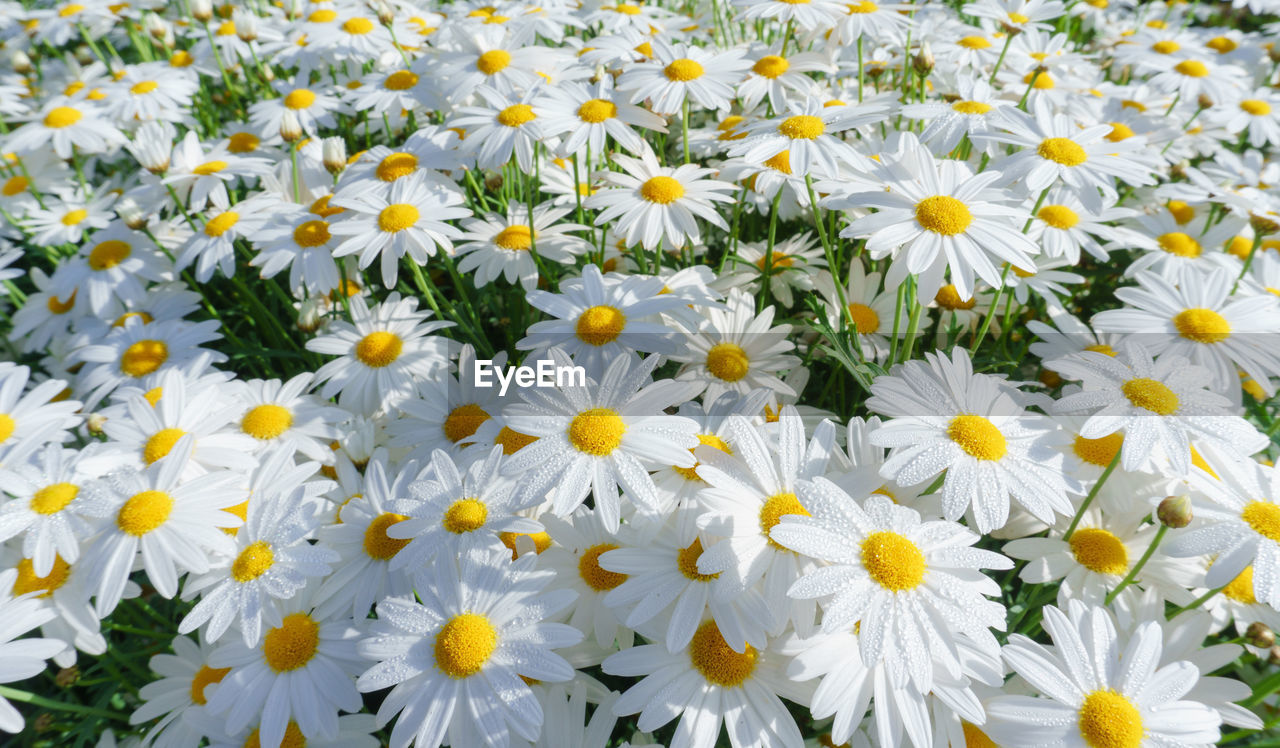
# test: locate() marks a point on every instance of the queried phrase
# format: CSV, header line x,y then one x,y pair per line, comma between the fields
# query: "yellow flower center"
x,y
774,509
204,677
1264,518
541,540
379,348
728,362
1109,720
516,238
862,7
512,441
15,185
143,357
1180,244
160,443
1063,151
802,127
1240,589
324,15
1039,81
516,115
974,42
864,318
358,26
770,66
943,214
28,581
683,69
597,431
1152,395
465,515
398,217
293,738
1202,325
1100,551
662,190
63,116
222,223
687,561
465,644
395,166
75,217
243,142
1058,216
1018,18
599,325
597,110
1165,47
1192,68
53,498
400,80
893,561
1119,131
710,440
108,254
493,61
377,544
144,512
949,298
209,167
266,421
293,644
463,421
1222,45
971,107
597,578
70,9
711,656
144,87
299,98
253,562
311,234
1100,451
1181,212
1256,107
60,307
977,436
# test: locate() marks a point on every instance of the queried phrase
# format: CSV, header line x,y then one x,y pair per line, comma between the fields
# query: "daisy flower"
x,y
495,245
874,20
68,215
779,77
179,695
809,16
808,134
65,125
31,418
943,416
647,202
198,175
1257,113
678,74
868,309
302,241
20,660
1099,688
309,105
590,115
486,57
276,413
44,509
135,350
213,247
572,548
597,436
503,124
737,350
1191,78
1063,226
460,661
383,351
111,271
408,220
977,112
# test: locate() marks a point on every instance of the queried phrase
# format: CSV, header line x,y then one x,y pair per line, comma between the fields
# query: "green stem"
x,y
1133,573
1093,493
26,697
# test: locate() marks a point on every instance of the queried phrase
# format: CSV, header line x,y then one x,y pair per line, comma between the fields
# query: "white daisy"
x,y
22,659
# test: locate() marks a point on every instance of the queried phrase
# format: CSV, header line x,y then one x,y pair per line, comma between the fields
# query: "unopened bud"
x,y
246,24
202,10
1009,28
43,723
154,25
1179,170
493,182
131,213
1264,224
83,54
67,676
923,61
1259,634
21,62
294,9
310,314
1274,53
1204,102
1175,511
95,422
1273,657
386,14
334,154
290,126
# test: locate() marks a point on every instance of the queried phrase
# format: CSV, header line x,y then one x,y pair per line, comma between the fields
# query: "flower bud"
x,y
202,10
95,422
493,182
386,14
290,126
21,62
310,314
67,676
154,25
923,61
152,145
1204,102
294,9
1009,28
334,154
1273,657
1259,634
1264,224
1175,511
131,213
246,24
83,54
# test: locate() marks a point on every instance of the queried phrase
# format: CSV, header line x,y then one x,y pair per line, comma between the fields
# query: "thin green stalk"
x,y
1133,573
1093,493
27,697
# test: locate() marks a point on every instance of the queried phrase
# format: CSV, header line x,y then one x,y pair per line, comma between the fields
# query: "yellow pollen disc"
x,y
396,165
597,578
204,677
15,185
28,581
377,544
358,26
124,318
893,561
977,436
293,738
143,357
1181,212
780,260
1202,325
864,318
770,66
1042,82
1264,518
728,362
465,644
1100,551
597,431
774,509
209,167
226,28
144,87
1152,395
266,421
974,42
781,163
160,443
398,217
943,214
311,234
299,98
1100,451
710,440
1165,47
1058,216
1018,18
683,69
463,422
971,107
7,427
75,217
516,115
512,441
541,540
70,9
711,656
516,238
153,395
243,142
293,644
1063,151
1192,68
144,512
325,15
597,110
108,254
1240,589
949,298
1119,131
975,737
253,562
181,59
400,80
1109,720
626,10
599,325
379,349
465,515
687,561
1180,244
1256,107
60,307
60,117
222,223
53,498
662,190
493,61
863,7
802,127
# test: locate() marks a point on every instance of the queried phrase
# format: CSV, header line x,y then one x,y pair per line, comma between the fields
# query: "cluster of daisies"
x,y
910,373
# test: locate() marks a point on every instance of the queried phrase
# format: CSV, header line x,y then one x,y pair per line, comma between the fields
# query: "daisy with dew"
x,y
137,350
383,352
599,436
794,265
461,661
1099,687
176,699
943,416
736,350
867,309
285,414
937,216
647,203
21,659
495,246
571,548
1063,226
409,219
30,418
43,508
678,74
1159,406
